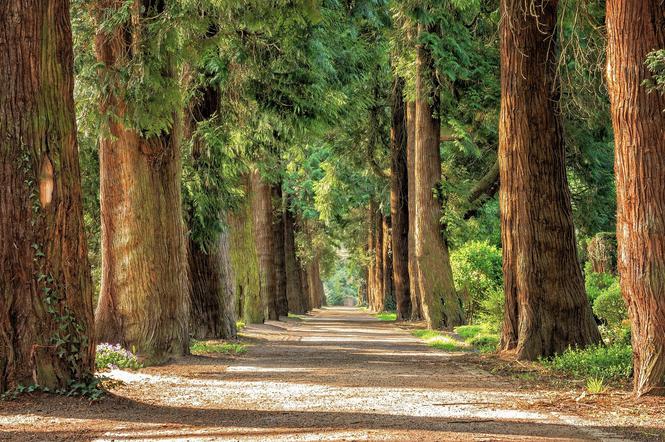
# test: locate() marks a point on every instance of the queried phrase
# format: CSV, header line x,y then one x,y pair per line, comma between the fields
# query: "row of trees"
x,y
546,308
231,150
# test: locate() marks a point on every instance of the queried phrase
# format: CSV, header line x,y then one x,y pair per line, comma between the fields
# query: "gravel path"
x,y
338,374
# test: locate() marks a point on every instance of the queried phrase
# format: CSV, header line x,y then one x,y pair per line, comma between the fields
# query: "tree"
x,y
46,334
399,203
441,305
261,197
279,250
294,289
635,28
414,288
144,291
546,308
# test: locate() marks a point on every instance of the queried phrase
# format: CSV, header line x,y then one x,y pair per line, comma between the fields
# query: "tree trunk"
x,y
379,289
388,303
46,334
245,260
304,282
414,290
279,252
602,253
441,305
315,283
635,28
399,204
212,291
263,234
144,301
371,254
294,289
546,308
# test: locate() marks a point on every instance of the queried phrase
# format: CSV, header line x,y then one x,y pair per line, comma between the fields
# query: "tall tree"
x,y
144,301
414,288
399,204
294,288
263,235
279,250
388,298
546,308
441,305
635,28
46,334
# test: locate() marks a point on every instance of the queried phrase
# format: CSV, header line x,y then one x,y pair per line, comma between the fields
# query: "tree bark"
x,y
144,301
414,290
441,305
388,297
263,234
399,204
304,282
379,289
212,291
294,289
371,254
635,28
46,334
245,260
279,251
546,308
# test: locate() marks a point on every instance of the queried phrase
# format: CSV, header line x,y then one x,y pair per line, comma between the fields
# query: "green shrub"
x,y
491,312
610,306
485,342
596,283
478,276
386,316
110,356
600,362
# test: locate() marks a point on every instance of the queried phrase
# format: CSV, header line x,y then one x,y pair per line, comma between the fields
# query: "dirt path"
x,y
339,374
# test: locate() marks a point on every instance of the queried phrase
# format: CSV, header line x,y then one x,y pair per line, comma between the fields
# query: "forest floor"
x,y
337,374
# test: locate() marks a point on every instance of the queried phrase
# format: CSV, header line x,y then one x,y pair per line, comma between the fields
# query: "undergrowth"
x,y
386,316
208,347
613,362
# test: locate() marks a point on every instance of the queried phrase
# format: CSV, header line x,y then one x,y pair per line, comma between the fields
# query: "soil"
x,y
337,374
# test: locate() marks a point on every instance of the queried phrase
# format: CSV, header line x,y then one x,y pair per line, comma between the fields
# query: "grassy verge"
x,y
473,337
219,347
386,316
610,363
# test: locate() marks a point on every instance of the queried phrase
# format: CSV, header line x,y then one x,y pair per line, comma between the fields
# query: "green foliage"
x,y
439,341
209,347
386,316
342,284
655,62
610,307
595,385
597,283
111,356
601,362
483,338
478,276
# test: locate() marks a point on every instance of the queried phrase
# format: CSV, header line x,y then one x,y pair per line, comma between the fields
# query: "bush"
x,y
600,362
610,306
478,276
596,283
111,356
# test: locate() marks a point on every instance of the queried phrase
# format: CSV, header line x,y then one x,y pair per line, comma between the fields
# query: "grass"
x,y
614,362
295,316
210,347
240,325
595,385
475,337
439,341
386,316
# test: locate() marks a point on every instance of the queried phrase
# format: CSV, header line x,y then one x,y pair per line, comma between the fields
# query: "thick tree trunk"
x,y
635,28
304,282
602,253
379,289
46,334
441,305
279,251
294,289
263,234
144,301
315,283
546,308
245,260
371,255
414,290
212,290
388,292
399,204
